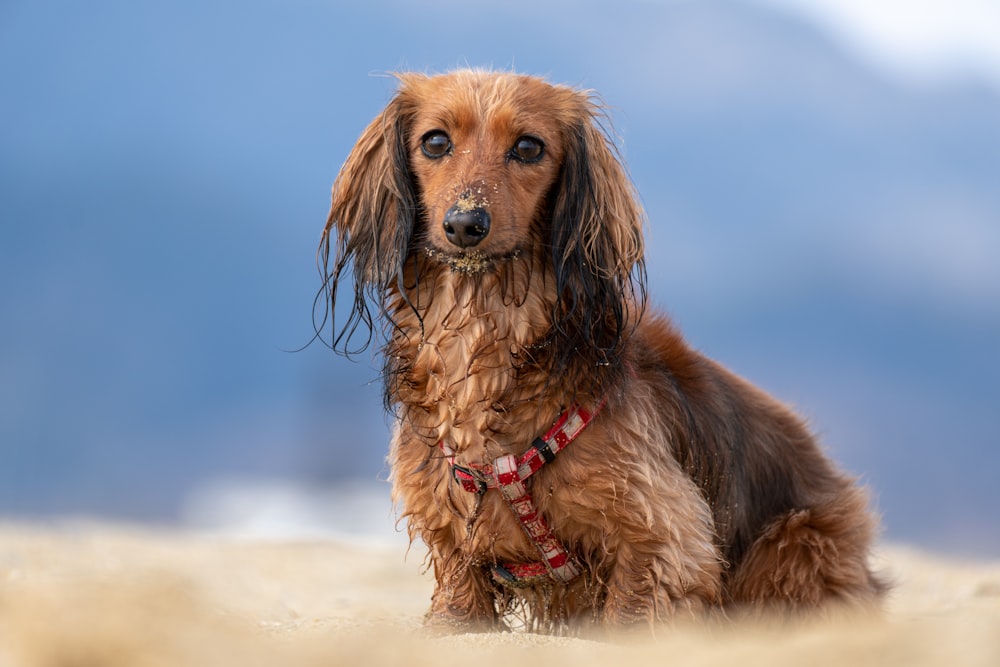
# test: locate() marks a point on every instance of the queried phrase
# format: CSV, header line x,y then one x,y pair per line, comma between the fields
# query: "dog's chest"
x,y
470,377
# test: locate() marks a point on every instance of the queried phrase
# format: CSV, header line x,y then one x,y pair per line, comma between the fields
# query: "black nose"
x,y
466,227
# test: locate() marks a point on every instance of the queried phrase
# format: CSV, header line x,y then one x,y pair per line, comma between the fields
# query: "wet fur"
x,y
691,491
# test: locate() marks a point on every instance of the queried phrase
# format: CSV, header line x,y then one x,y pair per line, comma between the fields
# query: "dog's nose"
x,y
466,227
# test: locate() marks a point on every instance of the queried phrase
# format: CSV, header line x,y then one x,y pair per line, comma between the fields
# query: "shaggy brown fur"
x,y
691,490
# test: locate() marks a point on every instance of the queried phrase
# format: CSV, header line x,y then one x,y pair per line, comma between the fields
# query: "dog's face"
x,y
465,170
485,152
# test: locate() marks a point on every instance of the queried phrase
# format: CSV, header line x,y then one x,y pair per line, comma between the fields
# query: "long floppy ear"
x,y
372,217
597,245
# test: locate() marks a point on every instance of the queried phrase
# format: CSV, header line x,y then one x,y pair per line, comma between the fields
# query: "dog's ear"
x,y
372,217
597,242
374,202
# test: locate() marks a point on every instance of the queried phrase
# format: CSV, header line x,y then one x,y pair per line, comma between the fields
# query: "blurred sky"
x,y
919,39
821,179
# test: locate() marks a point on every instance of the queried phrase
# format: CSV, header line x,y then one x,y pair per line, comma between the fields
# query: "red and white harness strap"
x,y
508,474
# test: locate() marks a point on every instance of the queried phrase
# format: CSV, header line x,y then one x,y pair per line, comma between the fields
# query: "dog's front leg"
x,y
647,585
664,564
463,598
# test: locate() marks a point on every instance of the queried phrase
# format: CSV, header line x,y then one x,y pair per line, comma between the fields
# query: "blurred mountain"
x,y
826,231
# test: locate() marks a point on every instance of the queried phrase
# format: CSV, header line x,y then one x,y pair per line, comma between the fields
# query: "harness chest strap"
x,y
508,474
558,561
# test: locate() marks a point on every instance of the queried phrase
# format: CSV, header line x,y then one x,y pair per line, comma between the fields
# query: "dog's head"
x,y
472,168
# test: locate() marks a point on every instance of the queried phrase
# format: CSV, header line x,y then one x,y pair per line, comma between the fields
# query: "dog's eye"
x,y
527,149
435,144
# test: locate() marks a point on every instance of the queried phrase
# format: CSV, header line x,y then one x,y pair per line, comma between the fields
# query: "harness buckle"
x,y
471,479
544,448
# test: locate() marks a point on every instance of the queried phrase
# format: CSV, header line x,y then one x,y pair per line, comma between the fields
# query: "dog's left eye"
x,y
435,144
527,149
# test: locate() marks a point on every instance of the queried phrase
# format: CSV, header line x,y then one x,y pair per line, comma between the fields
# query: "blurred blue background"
x,y
822,223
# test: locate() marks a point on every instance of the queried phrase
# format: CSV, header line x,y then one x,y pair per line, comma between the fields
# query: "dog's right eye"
x,y
435,144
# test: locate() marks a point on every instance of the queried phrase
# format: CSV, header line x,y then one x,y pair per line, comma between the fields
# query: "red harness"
x,y
508,474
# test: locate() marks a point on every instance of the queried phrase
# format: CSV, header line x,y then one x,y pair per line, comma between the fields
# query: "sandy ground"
x,y
87,594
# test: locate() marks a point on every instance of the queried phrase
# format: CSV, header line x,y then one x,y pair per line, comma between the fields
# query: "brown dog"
x,y
487,218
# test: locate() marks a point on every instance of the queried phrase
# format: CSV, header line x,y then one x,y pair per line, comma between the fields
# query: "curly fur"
x,y
691,491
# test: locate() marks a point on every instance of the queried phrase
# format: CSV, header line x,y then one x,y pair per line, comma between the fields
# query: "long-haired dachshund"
x,y
559,449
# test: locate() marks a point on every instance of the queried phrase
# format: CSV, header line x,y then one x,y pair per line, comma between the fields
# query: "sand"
x,y
92,594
